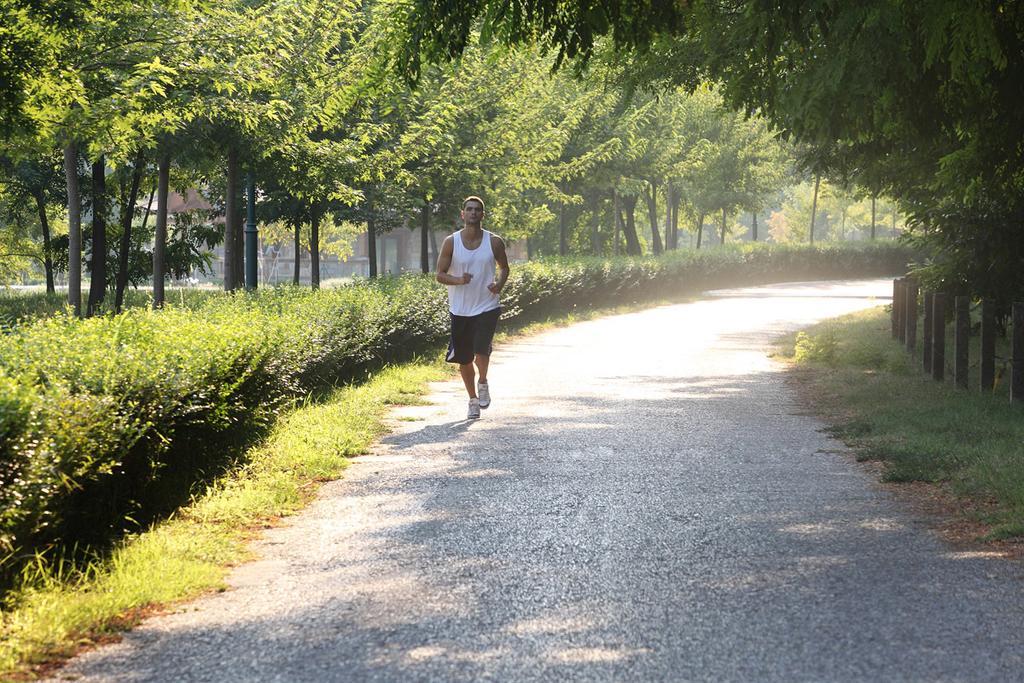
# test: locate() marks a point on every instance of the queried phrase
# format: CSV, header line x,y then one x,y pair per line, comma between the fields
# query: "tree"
x,y
32,185
920,98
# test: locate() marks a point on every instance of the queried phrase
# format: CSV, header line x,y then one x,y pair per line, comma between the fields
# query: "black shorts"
x,y
472,335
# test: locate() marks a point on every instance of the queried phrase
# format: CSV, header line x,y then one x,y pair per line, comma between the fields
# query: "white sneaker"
x,y
474,409
484,393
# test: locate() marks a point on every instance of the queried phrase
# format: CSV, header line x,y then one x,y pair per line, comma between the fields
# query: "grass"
x,y
61,607
884,406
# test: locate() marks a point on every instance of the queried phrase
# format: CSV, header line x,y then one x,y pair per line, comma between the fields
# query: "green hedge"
x,y
20,307
93,412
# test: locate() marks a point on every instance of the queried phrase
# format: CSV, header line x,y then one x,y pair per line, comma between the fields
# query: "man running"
x,y
467,265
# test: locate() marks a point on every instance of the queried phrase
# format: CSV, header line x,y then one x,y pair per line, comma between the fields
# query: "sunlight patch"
x,y
881,524
581,655
549,625
974,555
808,529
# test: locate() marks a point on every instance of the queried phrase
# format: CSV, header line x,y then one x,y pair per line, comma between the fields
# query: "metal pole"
x,y
988,345
938,336
928,328
894,316
251,235
1017,357
963,333
910,315
901,310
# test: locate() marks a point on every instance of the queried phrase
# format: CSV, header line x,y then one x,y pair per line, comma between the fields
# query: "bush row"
x,y
94,411
20,307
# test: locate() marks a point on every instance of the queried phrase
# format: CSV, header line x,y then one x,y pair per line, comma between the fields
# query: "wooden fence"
x,y
908,301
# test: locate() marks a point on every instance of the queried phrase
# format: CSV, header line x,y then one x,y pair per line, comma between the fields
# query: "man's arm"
x,y
501,258
444,262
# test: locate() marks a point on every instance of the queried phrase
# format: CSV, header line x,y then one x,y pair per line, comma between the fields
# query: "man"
x,y
467,264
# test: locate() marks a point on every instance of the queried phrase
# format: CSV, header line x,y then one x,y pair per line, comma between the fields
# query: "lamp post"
x,y
251,235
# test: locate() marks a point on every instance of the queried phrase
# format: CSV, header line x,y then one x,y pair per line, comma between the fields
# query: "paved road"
x,y
643,501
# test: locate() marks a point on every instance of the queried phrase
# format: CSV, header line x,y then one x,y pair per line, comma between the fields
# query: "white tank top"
x,y
473,298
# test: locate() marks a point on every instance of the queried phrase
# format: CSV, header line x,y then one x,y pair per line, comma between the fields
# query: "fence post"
x,y
963,334
939,336
895,306
1017,360
926,350
910,313
988,346
901,315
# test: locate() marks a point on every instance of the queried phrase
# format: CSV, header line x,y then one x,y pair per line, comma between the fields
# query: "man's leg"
x,y
466,370
482,362
482,337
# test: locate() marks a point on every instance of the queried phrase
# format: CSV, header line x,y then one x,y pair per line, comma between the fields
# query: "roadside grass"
x,y
887,409
63,606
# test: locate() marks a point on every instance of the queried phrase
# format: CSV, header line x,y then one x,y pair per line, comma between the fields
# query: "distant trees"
x,y
918,101
124,102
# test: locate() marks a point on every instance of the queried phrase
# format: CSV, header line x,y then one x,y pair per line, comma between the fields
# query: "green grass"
x,y
60,607
883,405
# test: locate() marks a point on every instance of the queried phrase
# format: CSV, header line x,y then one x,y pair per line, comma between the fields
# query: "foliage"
x,y
916,100
818,348
302,94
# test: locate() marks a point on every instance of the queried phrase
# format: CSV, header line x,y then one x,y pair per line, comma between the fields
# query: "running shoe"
x,y
484,393
474,409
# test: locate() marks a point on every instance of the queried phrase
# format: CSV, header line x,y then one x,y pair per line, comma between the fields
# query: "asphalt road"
x,y
643,501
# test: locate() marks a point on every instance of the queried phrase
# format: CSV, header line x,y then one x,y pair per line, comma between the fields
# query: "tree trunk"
x,y
753,223
160,241
149,210
675,219
127,217
47,257
652,210
424,236
616,219
633,247
231,214
240,238
842,227
725,222
239,232
668,215
700,229
98,268
595,235
371,242
873,199
563,237
814,205
297,263
314,249
74,229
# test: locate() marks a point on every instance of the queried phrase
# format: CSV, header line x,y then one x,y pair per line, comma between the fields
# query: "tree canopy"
x,y
305,97
915,99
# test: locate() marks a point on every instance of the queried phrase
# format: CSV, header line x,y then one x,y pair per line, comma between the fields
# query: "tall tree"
x,y
98,268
